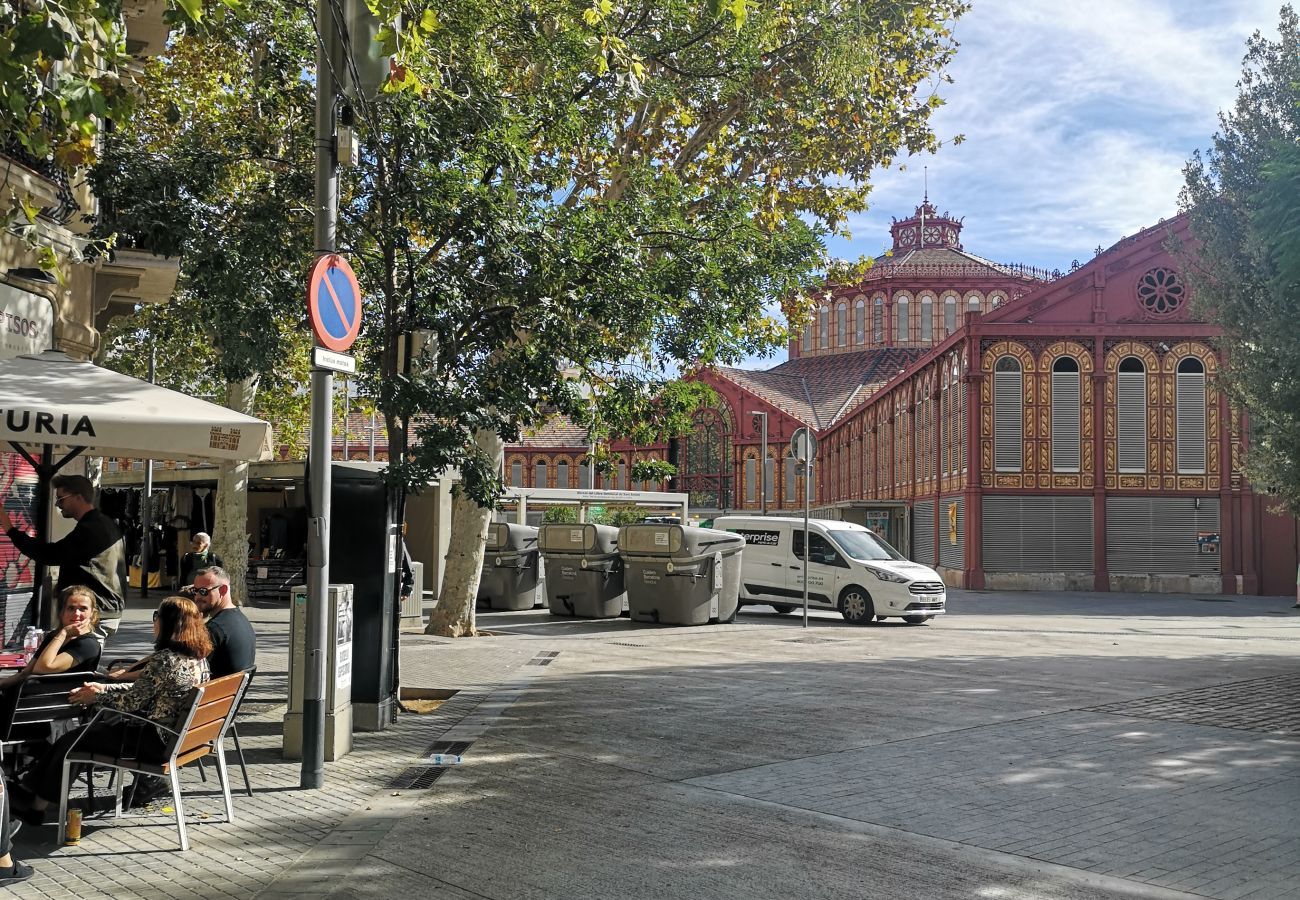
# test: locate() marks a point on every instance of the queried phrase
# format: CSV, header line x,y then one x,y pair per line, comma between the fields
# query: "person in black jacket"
x,y
199,557
92,554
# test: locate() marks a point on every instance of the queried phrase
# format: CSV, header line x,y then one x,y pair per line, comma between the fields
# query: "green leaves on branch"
x,y
1243,199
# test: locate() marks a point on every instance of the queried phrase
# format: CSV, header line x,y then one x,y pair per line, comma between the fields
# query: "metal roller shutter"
x,y
952,555
1191,422
1158,535
1065,421
923,532
1131,411
1037,534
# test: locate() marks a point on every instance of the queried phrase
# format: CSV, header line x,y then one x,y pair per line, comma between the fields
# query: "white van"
x,y
850,568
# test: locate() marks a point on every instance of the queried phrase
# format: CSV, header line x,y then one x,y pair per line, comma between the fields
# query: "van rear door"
x,y
763,564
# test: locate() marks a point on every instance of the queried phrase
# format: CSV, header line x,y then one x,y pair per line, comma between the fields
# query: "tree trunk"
x,y
230,526
454,614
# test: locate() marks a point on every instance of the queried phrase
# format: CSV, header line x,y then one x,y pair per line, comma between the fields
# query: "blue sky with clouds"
x,y
1078,119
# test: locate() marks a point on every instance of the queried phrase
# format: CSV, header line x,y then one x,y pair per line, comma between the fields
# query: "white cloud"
x,y
1077,118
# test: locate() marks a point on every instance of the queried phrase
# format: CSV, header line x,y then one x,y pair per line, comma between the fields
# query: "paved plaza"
x,y
1024,746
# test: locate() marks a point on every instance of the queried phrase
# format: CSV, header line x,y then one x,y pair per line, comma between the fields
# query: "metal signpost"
x,y
803,448
334,304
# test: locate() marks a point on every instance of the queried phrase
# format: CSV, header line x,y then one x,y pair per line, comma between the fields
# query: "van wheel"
x,y
916,620
783,609
855,606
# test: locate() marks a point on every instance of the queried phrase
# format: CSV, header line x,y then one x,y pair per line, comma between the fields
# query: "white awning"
x,y
53,400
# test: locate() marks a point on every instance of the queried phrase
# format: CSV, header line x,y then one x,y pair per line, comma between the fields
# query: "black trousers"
x,y
6,839
134,740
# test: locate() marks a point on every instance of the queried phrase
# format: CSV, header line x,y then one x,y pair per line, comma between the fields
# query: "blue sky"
x,y
1078,119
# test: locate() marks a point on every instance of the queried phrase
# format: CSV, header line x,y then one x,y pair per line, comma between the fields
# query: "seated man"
x,y
73,647
234,643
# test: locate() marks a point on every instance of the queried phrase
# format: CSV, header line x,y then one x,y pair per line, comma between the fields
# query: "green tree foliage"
x,y
62,65
215,167
618,191
1243,197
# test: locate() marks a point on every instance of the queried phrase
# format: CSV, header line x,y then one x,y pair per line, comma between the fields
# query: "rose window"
x,y
1161,292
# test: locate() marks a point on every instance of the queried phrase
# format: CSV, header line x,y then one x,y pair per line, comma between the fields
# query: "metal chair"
x,y
200,730
29,710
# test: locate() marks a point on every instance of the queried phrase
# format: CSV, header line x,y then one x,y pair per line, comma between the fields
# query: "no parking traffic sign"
x,y
334,302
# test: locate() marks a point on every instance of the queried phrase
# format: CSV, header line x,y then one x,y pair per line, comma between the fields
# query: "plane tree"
x,y
578,203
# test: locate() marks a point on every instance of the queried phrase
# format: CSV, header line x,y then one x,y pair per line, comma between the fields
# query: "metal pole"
x,y
146,511
807,550
762,463
322,431
347,415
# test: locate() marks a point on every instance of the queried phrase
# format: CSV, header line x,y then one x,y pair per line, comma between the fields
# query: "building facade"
x,y
1013,428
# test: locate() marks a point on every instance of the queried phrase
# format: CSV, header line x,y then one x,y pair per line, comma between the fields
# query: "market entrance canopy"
x,y
54,403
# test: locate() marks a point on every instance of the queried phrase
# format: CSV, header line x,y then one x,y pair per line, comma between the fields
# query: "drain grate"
x,y
545,658
627,644
455,748
1214,600
417,778
810,640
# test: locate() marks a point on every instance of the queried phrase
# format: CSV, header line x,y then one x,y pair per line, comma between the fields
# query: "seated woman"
x,y
179,664
74,647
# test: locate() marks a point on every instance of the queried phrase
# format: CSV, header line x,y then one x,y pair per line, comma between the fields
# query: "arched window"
x,y
807,338
1131,414
842,325
901,306
949,315
791,487
584,476
562,474
769,477
622,476
1065,415
1191,416
824,316
517,473
751,481
878,320
927,319
973,303
860,321
1008,415
539,474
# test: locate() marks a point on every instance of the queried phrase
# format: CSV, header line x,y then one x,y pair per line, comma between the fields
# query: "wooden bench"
x,y
29,709
200,730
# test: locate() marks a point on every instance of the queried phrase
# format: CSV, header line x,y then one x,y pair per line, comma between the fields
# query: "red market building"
x,y
1013,428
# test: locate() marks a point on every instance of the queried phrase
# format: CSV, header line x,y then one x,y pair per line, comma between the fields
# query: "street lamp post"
x,y
760,418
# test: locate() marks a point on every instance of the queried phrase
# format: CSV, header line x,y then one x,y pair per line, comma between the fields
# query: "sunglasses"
x,y
192,591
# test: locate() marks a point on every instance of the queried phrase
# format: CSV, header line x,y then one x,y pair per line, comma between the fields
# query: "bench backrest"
x,y
212,706
27,710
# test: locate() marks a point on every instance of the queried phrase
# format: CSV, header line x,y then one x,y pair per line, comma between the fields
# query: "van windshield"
x,y
864,545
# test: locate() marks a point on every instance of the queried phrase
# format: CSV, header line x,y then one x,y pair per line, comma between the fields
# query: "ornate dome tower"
x,y
925,230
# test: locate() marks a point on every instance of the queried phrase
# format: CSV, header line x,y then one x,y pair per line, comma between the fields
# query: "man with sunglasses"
x,y
92,554
234,643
